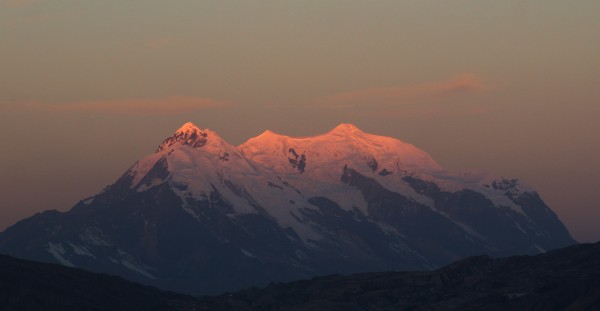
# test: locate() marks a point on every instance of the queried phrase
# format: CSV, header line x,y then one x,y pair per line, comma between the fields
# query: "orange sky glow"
x,y
509,87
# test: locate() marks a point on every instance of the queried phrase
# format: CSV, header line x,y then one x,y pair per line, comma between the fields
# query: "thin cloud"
x,y
136,106
403,94
421,111
163,106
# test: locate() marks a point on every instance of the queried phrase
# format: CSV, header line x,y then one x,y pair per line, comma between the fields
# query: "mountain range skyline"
x,y
279,208
268,133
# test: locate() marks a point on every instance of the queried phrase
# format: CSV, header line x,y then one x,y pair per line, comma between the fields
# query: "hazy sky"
x,y
511,87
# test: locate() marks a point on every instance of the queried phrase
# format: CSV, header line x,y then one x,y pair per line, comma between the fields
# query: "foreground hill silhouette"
x,y
565,279
30,285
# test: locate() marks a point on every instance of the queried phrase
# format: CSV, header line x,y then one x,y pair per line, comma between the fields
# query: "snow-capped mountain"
x,y
202,216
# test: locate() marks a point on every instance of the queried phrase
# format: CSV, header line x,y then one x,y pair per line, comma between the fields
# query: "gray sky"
x,y
89,87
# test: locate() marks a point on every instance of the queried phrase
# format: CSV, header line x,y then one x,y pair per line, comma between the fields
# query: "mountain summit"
x,y
346,128
202,216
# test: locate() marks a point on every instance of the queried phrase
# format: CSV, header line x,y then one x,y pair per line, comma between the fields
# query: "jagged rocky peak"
x,y
187,135
188,127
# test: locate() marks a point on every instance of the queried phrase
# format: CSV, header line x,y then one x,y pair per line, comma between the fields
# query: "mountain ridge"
x,y
279,208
